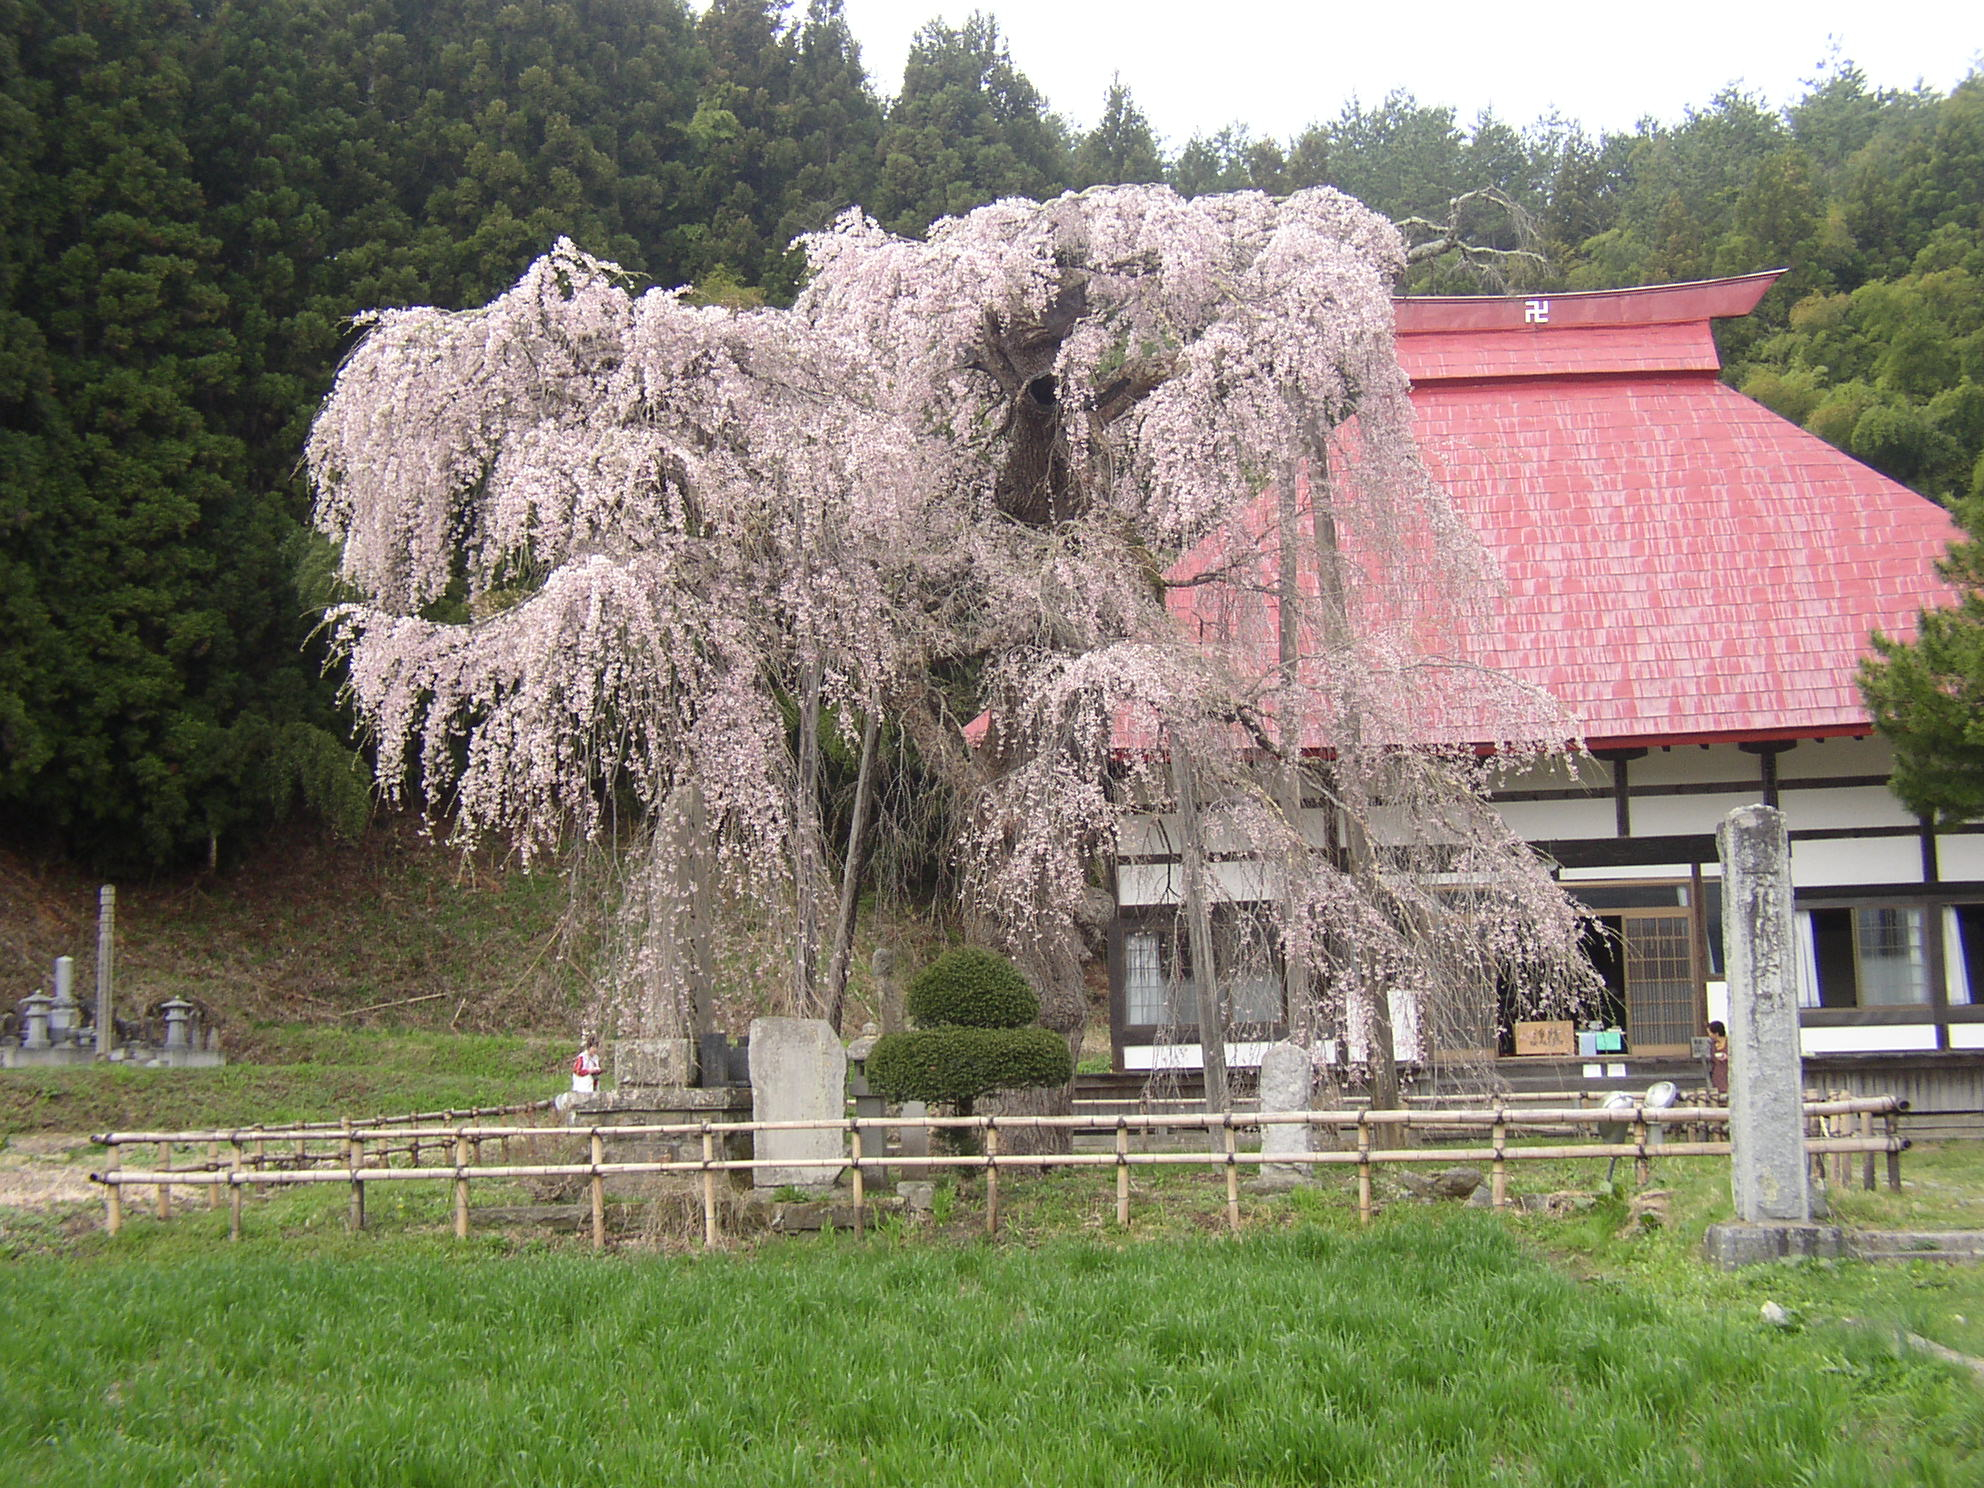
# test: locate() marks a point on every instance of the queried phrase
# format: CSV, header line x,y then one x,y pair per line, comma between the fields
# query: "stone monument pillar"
x,y
798,1073
1769,1177
1287,1076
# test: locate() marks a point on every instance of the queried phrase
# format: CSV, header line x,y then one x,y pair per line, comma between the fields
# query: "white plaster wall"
x,y
1689,764
1850,806
1161,883
1856,860
1816,758
1960,857
1665,816
1879,1039
1544,821
1188,1056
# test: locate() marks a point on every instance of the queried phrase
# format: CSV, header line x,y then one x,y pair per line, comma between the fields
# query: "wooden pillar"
x,y
709,1187
113,1194
165,1189
1122,1173
991,1177
461,1184
234,1192
854,1153
1498,1181
598,1192
1232,1179
1364,1166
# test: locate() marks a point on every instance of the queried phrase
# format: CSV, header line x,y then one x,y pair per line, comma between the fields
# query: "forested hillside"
x,y
196,199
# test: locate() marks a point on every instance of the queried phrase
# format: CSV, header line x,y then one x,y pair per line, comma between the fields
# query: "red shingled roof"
x,y
1681,563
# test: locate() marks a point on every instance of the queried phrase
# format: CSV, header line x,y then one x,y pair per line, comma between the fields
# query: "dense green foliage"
x,y
955,1066
1928,695
973,1006
971,987
1438,1351
195,199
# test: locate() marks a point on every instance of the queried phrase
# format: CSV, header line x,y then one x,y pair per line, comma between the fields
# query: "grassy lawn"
x,y
292,1073
1440,1346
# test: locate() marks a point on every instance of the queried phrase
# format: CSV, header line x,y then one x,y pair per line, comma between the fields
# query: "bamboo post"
x,y
1232,1179
1122,1173
354,1151
991,1177
854,1153
1894,1153
1642,1164
1867,1130
461,1184
113,1194
1363,1167
598,1192
165,1189
213,1165
709,1188
1499,1173
234,1193
261,1155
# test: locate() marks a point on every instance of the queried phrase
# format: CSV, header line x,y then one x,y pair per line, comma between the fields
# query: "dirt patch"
x,y
36,1170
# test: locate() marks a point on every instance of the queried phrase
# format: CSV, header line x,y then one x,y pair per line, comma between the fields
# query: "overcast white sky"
x,y
1277,66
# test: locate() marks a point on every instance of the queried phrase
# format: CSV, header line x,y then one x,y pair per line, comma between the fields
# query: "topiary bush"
x,y
973,1008
971,987
957,1065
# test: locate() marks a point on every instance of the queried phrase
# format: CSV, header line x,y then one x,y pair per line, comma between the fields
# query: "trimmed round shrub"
x,y
957,1065
971,988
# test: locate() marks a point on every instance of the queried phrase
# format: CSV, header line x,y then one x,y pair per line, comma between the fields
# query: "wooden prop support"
x,y
598,1191
854,1152
234,1194
1122,1173
1363,1156
709,1187
1232,1178
461,1185
991,1178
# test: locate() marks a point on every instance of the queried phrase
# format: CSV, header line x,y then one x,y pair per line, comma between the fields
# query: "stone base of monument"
x,y
663,1105
1736,1244
654,1061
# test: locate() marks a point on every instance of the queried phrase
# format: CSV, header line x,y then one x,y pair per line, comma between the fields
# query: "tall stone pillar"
x,y
1769,1177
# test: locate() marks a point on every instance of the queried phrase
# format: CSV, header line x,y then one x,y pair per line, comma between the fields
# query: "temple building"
x,y
1696,580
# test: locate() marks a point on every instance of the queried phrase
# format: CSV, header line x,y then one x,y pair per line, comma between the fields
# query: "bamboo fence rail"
x,y
1841,1129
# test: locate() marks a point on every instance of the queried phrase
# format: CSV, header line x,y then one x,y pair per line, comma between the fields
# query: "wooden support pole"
x,y
598,1192
213,1165
854,1153
461,1185
234,1193
1232,1179
1498,1182
709,1187
1363,1168
113,1195
1122,1173
1894,1153
165,1189
1867,1130
1642,1164
355,1155
991,1177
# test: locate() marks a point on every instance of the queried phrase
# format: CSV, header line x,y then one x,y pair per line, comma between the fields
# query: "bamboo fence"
x,y
236,1160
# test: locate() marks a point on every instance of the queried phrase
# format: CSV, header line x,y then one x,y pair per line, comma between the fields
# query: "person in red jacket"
x,y
585,1069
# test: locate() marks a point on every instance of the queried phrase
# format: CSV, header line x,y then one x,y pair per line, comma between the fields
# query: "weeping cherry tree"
x,y
1109,504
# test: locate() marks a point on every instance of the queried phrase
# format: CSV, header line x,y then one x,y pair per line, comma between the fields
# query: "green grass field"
x,y
1438,1349
1442,1346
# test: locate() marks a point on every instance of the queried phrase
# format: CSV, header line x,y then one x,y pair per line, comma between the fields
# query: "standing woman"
x,y
585,1068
